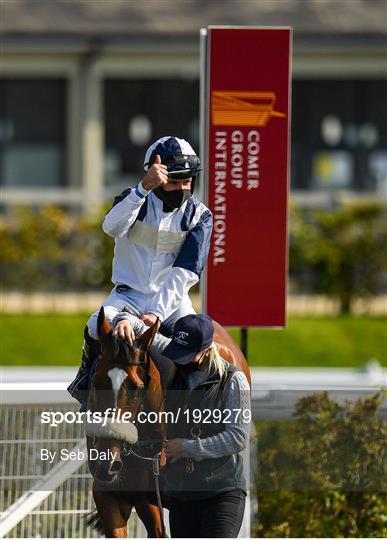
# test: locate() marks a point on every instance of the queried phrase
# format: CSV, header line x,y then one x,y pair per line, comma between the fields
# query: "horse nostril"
x,y
115,467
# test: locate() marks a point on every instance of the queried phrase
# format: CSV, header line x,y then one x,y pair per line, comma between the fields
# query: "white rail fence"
x,y
38,500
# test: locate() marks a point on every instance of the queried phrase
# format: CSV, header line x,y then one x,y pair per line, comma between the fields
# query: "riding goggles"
x,y
182,166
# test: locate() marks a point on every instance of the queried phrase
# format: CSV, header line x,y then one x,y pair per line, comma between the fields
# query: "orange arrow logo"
x,y
243,108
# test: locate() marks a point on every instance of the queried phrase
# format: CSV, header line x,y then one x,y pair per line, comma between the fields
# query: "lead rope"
x,y
156,473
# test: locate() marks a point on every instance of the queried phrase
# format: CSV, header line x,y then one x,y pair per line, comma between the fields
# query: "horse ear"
x,y
146,340
103,326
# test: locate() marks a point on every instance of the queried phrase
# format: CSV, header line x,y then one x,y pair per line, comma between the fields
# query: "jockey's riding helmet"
x,y
177,154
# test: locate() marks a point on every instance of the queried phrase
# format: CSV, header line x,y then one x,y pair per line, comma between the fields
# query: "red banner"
x,y
248,128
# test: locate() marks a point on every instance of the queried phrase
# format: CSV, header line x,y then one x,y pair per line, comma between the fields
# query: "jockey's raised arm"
x,y
123,213
126,206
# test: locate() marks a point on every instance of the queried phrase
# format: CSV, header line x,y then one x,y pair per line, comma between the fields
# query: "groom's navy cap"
x,y
192,334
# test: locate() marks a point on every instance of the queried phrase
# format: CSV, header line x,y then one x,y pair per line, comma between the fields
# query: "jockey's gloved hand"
x,y
156,176
124,330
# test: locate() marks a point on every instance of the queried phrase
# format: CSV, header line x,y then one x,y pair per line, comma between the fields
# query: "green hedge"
x,y
338,252
323,474
50,249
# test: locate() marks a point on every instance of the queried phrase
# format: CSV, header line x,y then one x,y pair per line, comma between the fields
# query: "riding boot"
x,y
79,388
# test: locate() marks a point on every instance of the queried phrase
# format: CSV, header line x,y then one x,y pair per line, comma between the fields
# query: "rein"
x,y
127,449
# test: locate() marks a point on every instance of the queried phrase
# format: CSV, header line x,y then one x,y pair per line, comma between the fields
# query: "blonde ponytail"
x,y
213,362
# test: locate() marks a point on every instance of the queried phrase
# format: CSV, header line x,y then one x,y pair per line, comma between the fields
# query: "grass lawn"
x,y
56,340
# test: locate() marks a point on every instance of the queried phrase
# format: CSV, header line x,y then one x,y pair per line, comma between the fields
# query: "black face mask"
x,y
172,199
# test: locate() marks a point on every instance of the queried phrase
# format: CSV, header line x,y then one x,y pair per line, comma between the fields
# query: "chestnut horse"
x,y
126,379
230,351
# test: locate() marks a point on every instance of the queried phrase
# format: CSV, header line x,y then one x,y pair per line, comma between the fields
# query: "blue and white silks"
x,y
159,255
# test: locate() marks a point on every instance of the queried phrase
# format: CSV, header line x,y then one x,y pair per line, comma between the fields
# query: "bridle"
x,y
155,467
128,448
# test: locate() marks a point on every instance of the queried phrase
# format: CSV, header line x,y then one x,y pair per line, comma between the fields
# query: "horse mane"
x,y
122,351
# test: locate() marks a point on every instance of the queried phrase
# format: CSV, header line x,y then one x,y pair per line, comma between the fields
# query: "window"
x,y
138,112
338,129
32,132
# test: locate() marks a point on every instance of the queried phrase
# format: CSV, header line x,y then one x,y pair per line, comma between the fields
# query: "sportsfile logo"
x,y
181,338
253,109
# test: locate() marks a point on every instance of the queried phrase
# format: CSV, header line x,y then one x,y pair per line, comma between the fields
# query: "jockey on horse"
x,y
162,237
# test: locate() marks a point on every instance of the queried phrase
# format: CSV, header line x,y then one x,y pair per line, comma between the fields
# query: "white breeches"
x,y
138,304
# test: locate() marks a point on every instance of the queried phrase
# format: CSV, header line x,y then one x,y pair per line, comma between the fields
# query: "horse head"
x,y
120,386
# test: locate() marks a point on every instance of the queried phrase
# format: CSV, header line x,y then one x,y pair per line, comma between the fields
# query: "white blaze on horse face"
x,y
117,376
